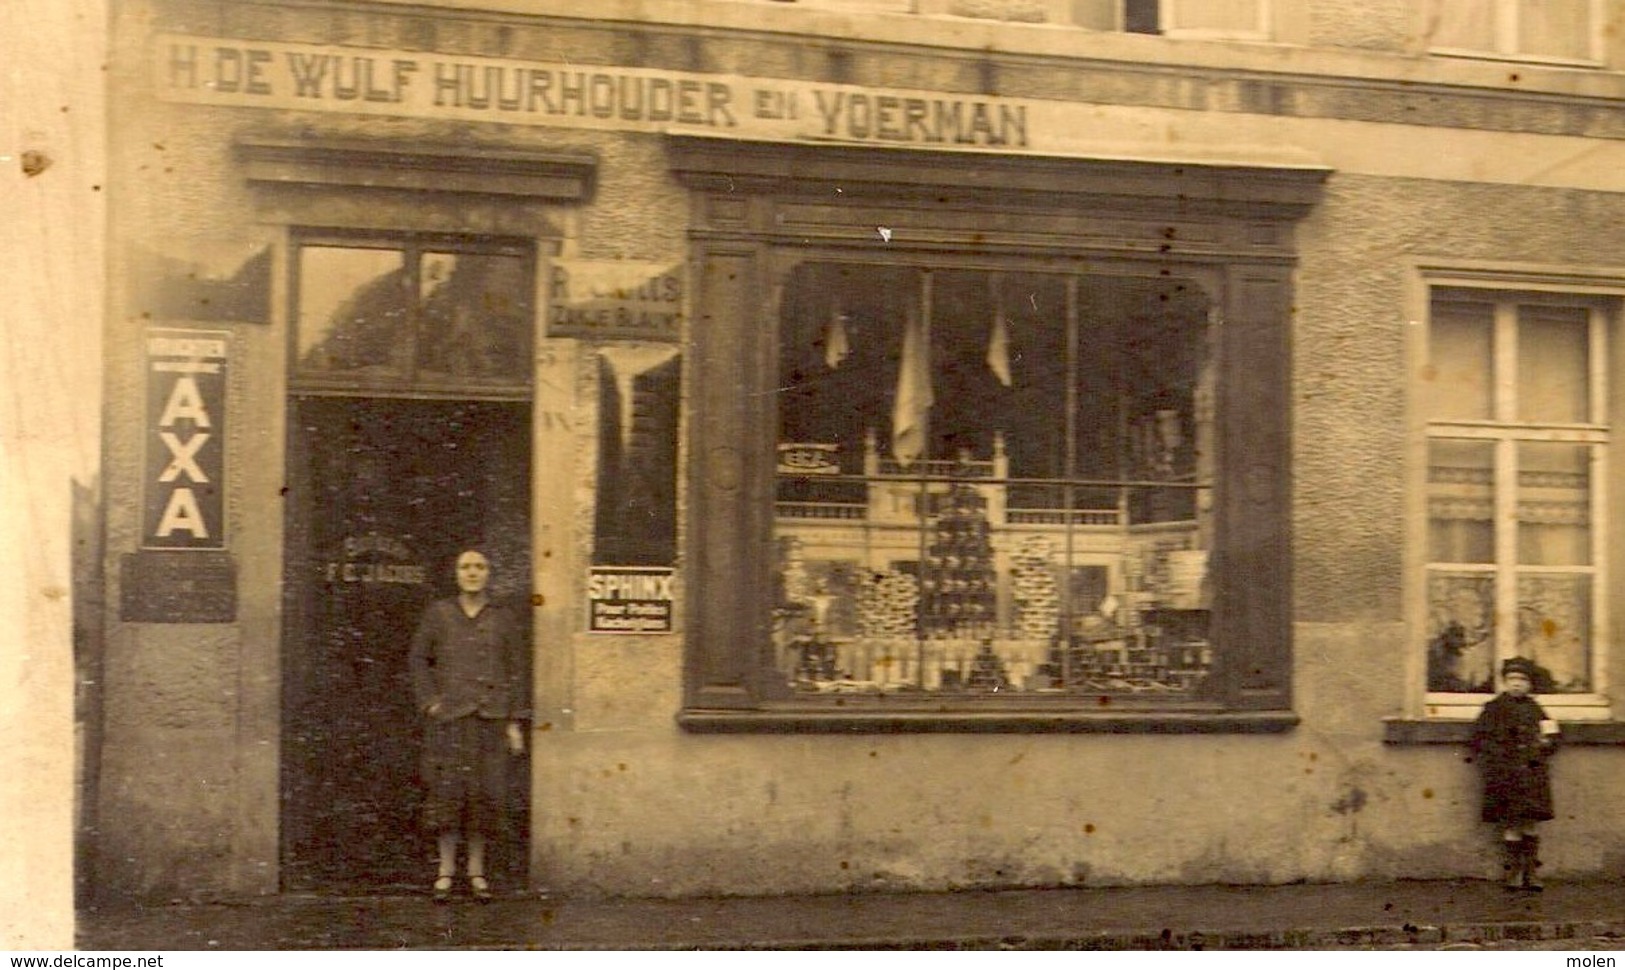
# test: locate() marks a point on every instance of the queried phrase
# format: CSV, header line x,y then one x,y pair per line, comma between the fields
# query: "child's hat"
x,y
1518,665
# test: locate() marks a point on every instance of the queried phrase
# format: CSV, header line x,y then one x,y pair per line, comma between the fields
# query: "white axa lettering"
x,y
182,515
185,404
183,457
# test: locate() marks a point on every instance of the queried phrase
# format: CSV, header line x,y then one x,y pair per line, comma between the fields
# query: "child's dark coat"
x,y
1507,744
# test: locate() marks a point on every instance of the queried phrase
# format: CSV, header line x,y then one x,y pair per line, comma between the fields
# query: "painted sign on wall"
x,y
314,77
614,299
185,467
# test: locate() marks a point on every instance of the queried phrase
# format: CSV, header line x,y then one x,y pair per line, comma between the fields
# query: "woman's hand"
x,y
516,738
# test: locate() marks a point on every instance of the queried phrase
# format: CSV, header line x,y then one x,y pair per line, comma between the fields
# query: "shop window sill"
x,y
1397,730
804,720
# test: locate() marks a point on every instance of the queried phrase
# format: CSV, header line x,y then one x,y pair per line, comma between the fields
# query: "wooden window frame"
x,y
1507,287
412,246
757,206
1507,31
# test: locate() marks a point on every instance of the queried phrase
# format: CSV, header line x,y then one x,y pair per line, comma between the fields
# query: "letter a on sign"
x,y
185,404
182,515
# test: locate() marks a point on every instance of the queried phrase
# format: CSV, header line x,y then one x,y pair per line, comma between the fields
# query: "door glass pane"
x,y
1464,24
1461,501
1554,504
1553,364
1554,630
1461,632
1461,362
1555,28
475,318
353,311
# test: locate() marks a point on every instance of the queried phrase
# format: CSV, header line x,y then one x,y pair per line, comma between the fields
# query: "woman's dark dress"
x,y
1506,743
473,668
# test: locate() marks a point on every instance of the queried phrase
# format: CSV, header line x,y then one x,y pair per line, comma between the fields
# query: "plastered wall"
x,y
625,802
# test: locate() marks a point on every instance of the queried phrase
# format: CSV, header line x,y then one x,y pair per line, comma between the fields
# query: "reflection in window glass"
x,y
1461,359
353,310
1553,367
1513,495
400,313
1461,632
1534,28
992,482
475,318
1464,24
1554,504
1227,16
1461,501
1554,630
1555,28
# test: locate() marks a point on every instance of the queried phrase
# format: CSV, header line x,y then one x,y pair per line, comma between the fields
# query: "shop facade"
x,y
996,445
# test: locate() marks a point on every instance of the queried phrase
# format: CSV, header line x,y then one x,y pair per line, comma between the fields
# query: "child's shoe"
x,y
1513,864
1531,862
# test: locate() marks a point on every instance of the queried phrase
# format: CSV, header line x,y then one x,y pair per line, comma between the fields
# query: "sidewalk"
x,y
1427,914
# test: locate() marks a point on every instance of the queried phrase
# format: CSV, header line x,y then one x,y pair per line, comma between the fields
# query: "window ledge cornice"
x,y
1410,69
826,721
454,169
1411,731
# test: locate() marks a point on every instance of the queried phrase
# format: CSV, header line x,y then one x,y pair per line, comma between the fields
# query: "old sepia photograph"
x,y
815,474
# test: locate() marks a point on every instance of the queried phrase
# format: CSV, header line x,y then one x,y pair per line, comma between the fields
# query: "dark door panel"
x,y
383,493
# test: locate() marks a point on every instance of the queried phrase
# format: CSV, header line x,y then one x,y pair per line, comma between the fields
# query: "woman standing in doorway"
x,y
467,677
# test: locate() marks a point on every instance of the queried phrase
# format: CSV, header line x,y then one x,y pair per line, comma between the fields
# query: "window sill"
x,y
1515,57
804,720
1397,730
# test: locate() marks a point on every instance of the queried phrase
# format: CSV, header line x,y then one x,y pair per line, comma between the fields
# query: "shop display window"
x,y
992,482
1018,459
1518,458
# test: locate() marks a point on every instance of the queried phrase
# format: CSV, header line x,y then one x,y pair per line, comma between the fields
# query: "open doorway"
x,y
382,494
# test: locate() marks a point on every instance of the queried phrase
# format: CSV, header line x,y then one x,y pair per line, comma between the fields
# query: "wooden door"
x,y
383,494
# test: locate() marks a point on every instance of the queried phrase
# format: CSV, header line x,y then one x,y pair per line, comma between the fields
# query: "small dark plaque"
x,y
178,587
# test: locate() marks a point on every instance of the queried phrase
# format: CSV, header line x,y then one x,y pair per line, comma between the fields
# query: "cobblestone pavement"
x,y
1409,914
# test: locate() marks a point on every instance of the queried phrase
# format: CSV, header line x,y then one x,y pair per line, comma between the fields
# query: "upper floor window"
x,y
1219,19
1216,19
1558,30
1519,461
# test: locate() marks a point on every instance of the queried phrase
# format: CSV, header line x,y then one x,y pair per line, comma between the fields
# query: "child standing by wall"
x,y
1512,740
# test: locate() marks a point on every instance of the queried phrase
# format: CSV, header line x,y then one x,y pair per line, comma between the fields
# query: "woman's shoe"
x,y
442,890
479,888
